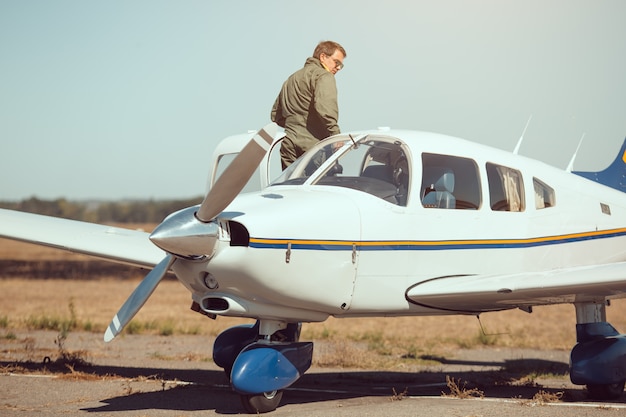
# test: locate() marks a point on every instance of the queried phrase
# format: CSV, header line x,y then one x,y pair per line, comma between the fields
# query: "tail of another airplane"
x,y
614,175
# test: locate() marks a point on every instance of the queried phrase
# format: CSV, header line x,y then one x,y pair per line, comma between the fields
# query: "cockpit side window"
x,y
224,161
450,182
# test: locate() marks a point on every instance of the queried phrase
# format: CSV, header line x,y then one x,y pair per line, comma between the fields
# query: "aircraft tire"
x,y
605,391
261,403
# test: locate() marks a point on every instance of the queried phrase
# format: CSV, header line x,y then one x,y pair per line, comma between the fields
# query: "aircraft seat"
x,y
442,196
381,172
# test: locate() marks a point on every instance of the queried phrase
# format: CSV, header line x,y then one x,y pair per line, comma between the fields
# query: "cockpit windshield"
x,y
376,165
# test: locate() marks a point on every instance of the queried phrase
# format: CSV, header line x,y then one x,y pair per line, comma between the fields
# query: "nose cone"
x,y
183,235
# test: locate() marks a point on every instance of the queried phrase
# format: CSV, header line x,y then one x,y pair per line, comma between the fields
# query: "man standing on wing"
x,y
307,103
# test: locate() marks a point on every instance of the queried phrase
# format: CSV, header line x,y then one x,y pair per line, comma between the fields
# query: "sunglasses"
x,y
338,63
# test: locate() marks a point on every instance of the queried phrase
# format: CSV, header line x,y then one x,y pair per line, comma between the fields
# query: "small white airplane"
x,y
376,223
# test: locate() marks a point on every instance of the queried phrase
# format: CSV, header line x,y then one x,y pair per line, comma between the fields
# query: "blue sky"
x,y
127,99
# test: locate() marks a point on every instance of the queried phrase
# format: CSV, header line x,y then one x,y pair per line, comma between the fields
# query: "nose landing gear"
x,y
260,366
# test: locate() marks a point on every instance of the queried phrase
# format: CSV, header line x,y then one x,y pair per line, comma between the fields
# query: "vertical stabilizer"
x,y
614,175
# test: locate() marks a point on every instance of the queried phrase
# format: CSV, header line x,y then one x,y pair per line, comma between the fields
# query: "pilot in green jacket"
x,y
307,103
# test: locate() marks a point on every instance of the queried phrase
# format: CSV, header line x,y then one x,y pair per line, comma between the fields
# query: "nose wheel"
x,y
261,403
605,391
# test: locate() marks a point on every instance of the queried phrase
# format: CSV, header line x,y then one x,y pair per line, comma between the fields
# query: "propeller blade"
x,y
237,174
138,298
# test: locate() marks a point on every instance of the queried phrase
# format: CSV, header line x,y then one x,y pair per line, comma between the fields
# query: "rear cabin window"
x,y
506,188
450,182
544,194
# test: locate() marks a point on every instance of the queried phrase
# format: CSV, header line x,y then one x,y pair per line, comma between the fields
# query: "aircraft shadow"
x,y
210,390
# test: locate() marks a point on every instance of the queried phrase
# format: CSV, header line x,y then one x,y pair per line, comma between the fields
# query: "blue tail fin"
x,y
614,175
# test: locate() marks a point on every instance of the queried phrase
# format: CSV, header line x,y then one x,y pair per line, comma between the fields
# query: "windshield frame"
x,y
294,174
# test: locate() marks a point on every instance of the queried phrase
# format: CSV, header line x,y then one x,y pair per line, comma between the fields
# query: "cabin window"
x,y
506,188
450,182
544,194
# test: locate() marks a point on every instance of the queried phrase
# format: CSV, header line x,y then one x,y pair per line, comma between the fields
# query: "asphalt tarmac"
x,y
173,376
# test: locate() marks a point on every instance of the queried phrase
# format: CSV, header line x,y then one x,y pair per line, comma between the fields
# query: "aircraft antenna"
x,y
352,139
521,139
570,166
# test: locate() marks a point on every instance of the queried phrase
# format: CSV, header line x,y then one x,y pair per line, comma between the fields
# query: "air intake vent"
x,y
215,304
239,235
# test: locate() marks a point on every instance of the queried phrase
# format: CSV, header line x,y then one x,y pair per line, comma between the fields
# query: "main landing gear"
x,y
261,360
598,360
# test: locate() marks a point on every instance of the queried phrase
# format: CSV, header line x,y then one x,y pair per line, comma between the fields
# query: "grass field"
x,y
88,303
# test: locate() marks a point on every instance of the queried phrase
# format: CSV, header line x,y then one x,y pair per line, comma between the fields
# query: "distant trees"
x,y
131,211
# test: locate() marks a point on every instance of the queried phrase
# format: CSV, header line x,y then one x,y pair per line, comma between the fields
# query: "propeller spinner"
x,y
190,234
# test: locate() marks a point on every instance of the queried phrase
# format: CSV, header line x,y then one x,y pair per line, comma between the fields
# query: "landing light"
x,y
210,281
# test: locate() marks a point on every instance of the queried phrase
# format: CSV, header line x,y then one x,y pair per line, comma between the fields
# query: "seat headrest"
x,y
445,182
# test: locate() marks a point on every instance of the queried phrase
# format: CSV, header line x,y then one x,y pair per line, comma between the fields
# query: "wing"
x,y
112,243
475,293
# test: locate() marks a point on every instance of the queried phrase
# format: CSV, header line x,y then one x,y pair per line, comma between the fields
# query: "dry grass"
x,y
33,303
458,389
361,343
543,398
46,304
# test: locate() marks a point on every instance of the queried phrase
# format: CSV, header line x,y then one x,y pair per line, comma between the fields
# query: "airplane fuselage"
x,y
315,249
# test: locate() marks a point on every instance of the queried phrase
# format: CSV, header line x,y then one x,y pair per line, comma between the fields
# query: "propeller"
x,y
237,174
189,234
138,298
